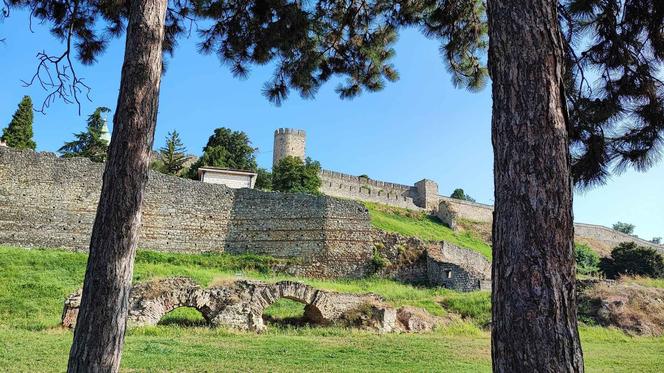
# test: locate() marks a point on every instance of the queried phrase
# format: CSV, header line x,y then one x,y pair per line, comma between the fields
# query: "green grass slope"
x,y
419,224
34,283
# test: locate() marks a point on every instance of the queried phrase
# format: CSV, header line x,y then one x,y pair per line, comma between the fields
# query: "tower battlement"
x,y
288,131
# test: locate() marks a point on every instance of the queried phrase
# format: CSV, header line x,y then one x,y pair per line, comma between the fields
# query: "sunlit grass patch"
x,y
419,224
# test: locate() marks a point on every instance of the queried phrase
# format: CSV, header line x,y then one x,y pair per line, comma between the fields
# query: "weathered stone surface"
x,y
457,268
240,305
47,201
406,256
70,311
433,263
414,319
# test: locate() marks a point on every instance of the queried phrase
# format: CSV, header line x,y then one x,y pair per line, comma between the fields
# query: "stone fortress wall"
x,y
423,196
611,237
47,201
347,186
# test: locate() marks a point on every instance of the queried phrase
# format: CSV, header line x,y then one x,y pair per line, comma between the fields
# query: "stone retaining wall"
x,y
47,201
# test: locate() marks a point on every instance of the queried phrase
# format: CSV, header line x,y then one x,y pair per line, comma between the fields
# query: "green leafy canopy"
x,y
292,174
227,149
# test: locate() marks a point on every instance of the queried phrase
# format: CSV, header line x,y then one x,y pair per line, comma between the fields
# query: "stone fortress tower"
x,y
288,142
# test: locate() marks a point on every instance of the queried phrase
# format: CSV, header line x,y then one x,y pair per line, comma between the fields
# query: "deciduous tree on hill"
x,y
263,180
624,227
292,174
460,194
227,149
18,133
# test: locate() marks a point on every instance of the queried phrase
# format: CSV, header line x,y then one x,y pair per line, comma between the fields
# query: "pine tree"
x,y
614,88
89,144
173,154
307,42
19,132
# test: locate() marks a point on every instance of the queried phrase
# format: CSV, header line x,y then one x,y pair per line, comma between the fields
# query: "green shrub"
x,y
624,227
379,260
293,175
587,261
630,259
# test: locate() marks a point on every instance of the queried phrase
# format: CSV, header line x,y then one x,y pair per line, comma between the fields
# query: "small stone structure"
x,y
240,305
456,268
432,263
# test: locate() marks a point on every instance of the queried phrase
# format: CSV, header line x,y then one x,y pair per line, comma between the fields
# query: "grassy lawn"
x,y
34,283
419,224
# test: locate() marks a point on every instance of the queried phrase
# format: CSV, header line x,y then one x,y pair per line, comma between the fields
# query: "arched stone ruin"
x,y
240,305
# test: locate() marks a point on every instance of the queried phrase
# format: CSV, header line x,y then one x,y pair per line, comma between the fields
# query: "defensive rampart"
x,y
47,201
361,188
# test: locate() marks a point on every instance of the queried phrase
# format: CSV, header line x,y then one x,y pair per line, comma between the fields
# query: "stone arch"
x,y
151,301
295,291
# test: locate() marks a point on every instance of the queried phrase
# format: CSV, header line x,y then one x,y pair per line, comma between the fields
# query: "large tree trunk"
x,y
102,319
534,304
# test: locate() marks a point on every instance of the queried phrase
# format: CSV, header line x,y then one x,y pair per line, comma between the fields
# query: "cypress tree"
x,y
19,132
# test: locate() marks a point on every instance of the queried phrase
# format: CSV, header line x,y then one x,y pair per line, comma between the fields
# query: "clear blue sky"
x,y
419,127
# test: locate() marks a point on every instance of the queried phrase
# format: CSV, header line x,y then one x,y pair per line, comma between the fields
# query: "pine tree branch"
x,y
65,83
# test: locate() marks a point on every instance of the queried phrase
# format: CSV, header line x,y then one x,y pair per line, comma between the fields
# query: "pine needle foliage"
x,y
307,42
89,144
18,133
172,155
614,85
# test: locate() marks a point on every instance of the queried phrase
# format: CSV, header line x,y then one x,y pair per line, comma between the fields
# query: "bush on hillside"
x,y
378,260
263,180
587,261
630,259
460,194
293,175
624,227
